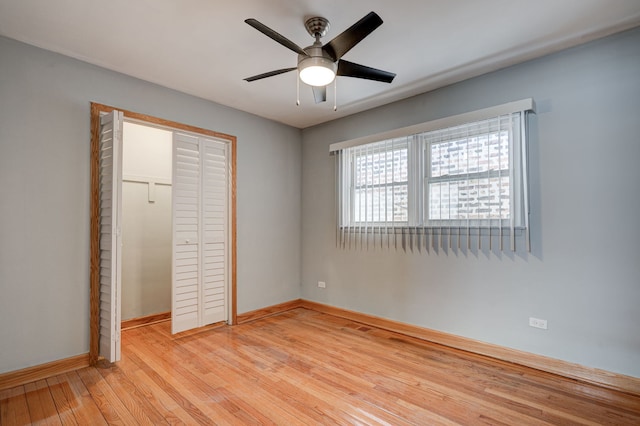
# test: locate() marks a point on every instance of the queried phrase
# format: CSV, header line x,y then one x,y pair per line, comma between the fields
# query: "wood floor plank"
x,y
374,374
185,386
155,395
42,409
13,407
131,397
178,393
84,407
364,392
442,374
251,394
63,405
303,367
242,398
258,374
330,380
107,401
542,389
293,389
294,399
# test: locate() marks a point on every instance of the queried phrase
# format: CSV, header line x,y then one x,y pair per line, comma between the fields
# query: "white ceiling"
x,y
204,48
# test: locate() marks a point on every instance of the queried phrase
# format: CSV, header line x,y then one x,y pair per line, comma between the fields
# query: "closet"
x,y
201,249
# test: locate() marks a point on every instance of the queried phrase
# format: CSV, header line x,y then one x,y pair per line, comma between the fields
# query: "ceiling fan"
x,y
318,65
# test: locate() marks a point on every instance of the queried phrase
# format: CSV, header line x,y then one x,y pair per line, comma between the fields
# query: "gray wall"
x,y
583,274
44,197
146,250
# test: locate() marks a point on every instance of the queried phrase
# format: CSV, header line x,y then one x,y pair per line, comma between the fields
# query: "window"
x,y
380,181
468,176
448,179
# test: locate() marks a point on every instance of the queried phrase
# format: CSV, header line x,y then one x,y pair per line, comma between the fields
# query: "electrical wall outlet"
x,y
322,284
538,323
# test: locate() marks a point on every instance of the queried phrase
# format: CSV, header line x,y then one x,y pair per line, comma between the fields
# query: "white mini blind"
x,y
458,182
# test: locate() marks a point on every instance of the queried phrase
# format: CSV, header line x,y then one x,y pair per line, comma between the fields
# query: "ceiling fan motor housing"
x,y
318,62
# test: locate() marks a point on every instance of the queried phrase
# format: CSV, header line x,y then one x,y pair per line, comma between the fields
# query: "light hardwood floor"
x,y
305,367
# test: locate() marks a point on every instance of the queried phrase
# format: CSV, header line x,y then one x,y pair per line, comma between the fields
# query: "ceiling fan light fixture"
x,y
317,71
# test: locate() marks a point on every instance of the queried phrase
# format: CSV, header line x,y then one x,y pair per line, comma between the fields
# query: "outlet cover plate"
x,y
538,323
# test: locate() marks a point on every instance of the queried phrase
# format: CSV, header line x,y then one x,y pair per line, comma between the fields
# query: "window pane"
x,y
381,184
486,198
382,204
381,167
480,153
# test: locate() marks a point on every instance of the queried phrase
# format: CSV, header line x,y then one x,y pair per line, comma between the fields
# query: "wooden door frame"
x,y
94,266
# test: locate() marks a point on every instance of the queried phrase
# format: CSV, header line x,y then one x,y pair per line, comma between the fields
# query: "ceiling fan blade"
x,y
269,74
319,93
349,69
353,35
275,36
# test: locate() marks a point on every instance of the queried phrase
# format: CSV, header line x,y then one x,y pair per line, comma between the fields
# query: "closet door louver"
x,y
110,233
186,231
199,232
214,219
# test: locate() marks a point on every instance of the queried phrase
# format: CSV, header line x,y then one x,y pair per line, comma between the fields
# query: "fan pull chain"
x,y
335,94
298,88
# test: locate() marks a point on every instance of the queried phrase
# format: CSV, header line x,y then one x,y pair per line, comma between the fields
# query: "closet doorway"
x,y
146,223
202,233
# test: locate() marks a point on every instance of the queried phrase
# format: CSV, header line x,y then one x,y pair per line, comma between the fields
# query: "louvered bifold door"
x,y
214,237
110,233
200,208
186,187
